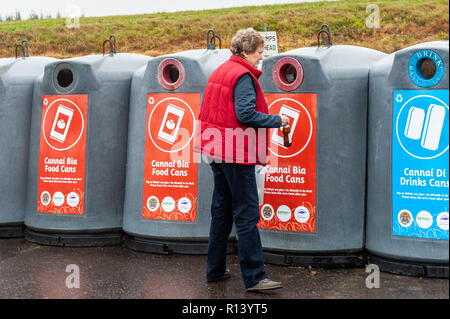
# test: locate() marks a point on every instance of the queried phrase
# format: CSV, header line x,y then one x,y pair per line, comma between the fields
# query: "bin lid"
x,y
23,67
317,66
207,59
192,67
337,56
112,63
422,65
65,75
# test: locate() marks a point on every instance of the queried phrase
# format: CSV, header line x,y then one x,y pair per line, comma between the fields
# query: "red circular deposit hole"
x,y
171,74
288,74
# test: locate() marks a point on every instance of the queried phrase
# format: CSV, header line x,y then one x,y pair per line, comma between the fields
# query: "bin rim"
x,y
279,73
164,77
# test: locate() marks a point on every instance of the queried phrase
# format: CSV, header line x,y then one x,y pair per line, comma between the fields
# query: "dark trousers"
x,y
235,198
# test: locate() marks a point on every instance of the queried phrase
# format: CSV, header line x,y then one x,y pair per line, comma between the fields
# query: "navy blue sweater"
x,y
245,102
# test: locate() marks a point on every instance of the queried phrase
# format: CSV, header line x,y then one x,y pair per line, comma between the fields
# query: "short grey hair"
x,y
246,40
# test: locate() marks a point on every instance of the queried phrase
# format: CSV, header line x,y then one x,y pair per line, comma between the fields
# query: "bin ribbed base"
x,y
410,268
315,260
166,247
12,231
88,239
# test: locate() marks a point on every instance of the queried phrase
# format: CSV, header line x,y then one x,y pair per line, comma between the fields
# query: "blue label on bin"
x,y
420,164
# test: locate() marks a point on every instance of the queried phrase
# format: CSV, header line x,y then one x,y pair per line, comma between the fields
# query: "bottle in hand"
x,y
286,137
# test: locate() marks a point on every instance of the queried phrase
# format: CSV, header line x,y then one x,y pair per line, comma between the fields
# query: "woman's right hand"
x,y
284,120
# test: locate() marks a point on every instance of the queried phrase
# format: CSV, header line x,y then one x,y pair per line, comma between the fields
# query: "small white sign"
x,y
270,43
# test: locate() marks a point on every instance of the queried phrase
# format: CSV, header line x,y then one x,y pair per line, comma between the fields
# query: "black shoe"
x,y
225,275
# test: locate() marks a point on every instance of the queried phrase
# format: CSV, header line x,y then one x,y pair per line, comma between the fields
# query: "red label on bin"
x,y
62,152
170,174
290,179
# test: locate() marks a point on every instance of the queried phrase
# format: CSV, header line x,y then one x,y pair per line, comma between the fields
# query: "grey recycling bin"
x,y
408,176
77,151
168,192
314,192
17,76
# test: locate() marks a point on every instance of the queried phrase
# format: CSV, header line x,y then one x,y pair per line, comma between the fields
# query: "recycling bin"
x,y
77,150
408,176
17,76
168,189
314,191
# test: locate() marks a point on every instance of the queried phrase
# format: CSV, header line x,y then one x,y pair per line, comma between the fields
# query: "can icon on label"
x,y
293,115
428,129
433,127
414,124
171,122
61,123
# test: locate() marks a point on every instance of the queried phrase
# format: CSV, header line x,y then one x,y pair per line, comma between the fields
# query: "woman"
x,y
234,121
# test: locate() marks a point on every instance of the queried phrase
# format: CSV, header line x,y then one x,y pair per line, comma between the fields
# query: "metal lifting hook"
x,y
113,37
220,41
25,46
110,47
327,43
23,50
211,40
330,42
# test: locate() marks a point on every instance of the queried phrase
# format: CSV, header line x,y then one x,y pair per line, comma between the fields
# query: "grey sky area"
x,y
71,8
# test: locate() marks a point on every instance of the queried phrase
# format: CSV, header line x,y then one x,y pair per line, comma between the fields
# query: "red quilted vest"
x,y
219,134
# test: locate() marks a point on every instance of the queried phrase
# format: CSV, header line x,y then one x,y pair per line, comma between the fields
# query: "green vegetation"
x,y
402,23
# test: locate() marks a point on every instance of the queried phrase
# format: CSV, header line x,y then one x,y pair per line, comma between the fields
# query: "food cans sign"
x,y
170,174
62,152
290,181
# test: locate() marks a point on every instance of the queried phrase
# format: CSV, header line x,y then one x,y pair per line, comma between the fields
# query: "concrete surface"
x,y
28,270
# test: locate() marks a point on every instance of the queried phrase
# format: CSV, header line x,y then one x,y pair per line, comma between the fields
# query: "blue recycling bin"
x,y
408,158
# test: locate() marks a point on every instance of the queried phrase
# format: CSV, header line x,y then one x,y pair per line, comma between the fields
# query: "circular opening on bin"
x,y
171,74
288,74
64,77
427,67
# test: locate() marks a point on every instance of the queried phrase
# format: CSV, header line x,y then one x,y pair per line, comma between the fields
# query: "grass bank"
x,y
402,23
